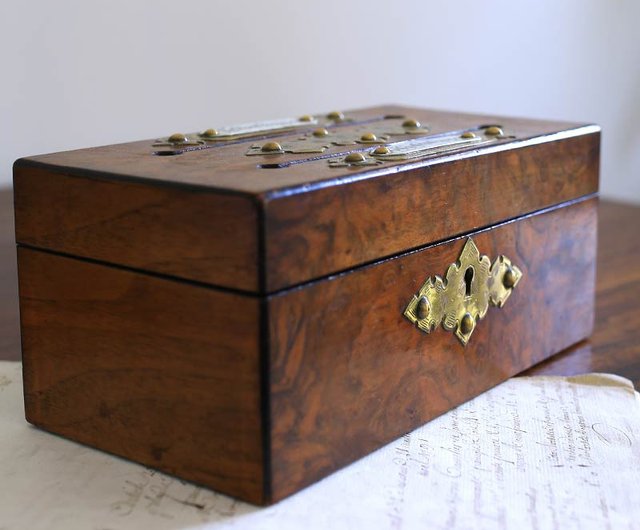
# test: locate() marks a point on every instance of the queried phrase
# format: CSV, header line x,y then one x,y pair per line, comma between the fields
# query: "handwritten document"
x,y
533,453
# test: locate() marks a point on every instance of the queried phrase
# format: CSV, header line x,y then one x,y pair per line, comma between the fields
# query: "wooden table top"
x,y
613,348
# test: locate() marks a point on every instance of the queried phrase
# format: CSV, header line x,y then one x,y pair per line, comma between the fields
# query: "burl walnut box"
x,y
253,307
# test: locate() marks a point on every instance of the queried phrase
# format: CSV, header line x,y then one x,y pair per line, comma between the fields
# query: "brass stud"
x,y
411,124
467,324
209,133
354,158
368,137
509,278
177,138
424,308
493,131
306,117
336,115
320,132
382,150
271,147
467,135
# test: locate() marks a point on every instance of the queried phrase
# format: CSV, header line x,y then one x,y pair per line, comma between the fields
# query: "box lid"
x,y
235,208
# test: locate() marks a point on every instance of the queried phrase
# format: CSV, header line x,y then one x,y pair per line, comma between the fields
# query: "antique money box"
x,y
253,307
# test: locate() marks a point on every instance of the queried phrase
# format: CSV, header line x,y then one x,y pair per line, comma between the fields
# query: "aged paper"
x,y
533,453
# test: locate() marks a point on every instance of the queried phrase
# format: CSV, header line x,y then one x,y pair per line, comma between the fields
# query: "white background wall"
x,y
76,73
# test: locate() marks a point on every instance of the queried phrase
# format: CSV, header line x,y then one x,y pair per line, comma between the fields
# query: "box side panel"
x,y
310,235
154,370
349,373
196,235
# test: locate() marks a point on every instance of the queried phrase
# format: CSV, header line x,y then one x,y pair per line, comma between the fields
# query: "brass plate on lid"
x,y
321,139
424,146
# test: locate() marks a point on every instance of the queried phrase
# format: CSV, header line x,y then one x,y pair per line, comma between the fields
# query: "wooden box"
x,y
254,307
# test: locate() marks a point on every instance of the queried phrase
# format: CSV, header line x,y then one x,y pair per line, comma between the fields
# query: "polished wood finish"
x,y
349,373
225,167
193,234
339,227
213,216
247,334
176,376
614,346
158,371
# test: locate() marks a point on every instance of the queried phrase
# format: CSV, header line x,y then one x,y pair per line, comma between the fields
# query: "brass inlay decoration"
x,y
423,145
323,138
237,132
250,130
178,140
462,299
379,140
493,130
316,134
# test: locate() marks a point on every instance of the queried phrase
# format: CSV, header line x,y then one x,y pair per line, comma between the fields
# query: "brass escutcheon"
x,y
461,300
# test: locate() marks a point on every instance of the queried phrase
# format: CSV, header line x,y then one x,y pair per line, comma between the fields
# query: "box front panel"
x,y
158,371
350,373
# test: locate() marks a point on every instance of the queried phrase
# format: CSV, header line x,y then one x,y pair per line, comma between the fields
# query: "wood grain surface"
x,y
192,234
225,167
339,227
158,371
613,347
349,373
214,216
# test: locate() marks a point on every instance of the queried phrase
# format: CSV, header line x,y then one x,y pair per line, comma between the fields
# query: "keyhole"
x,y
468,280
